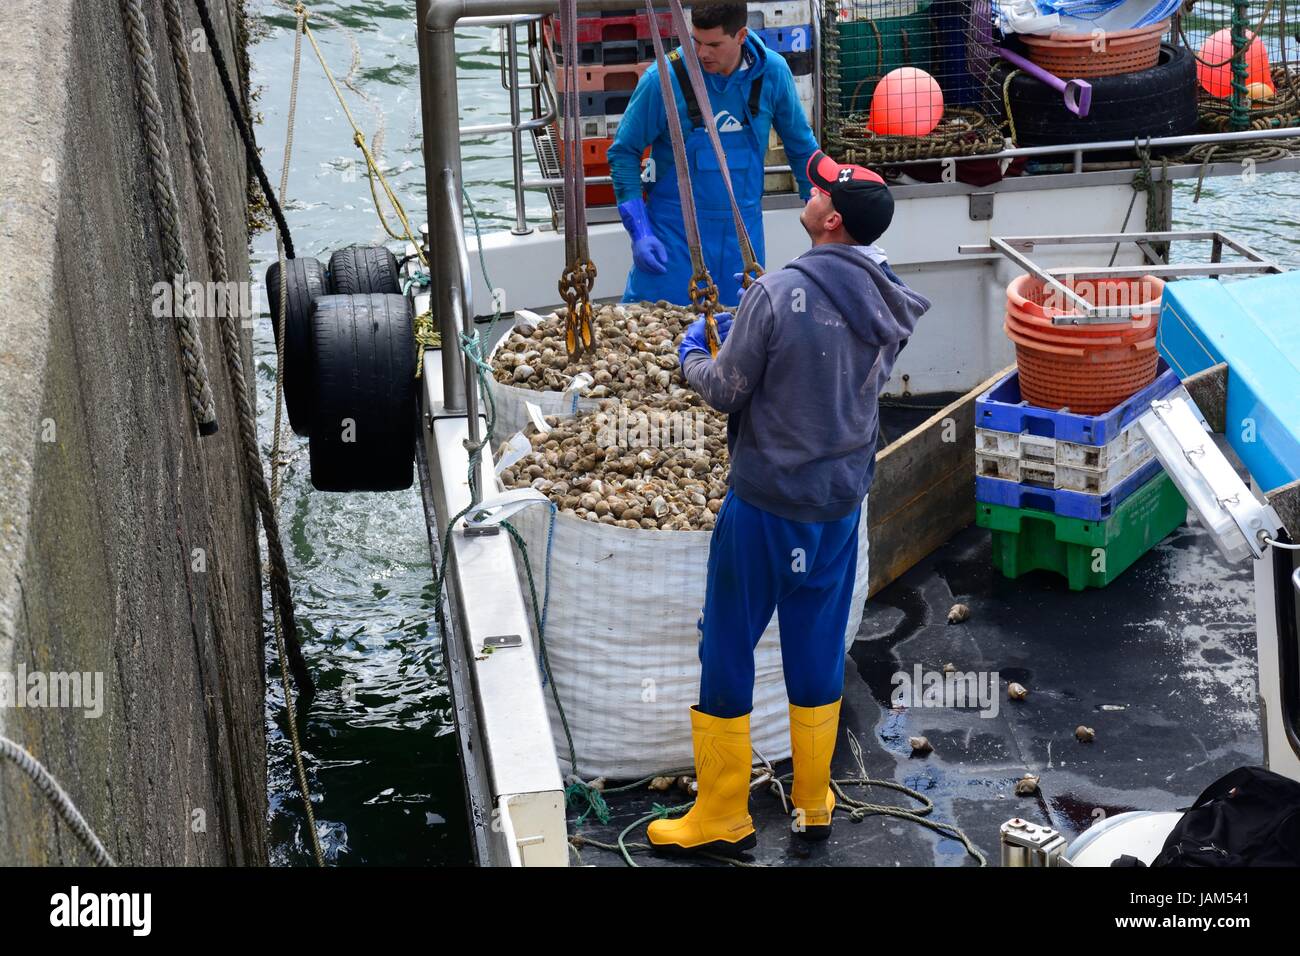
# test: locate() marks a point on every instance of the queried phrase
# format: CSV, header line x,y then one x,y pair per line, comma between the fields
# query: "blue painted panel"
x,y
1254,326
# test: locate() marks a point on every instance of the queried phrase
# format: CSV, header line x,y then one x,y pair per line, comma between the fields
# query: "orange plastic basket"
x,y
1088,381
1072,55
1049,334
1027,302
1087,368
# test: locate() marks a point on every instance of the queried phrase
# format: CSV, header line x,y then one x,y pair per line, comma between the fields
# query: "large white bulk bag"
x,y
512,401
512,411
623,644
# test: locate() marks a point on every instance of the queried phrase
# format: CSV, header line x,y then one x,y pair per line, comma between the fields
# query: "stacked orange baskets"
x,y
1088,369
1079,54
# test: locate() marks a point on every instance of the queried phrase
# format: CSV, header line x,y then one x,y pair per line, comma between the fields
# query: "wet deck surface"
x,y
1161,664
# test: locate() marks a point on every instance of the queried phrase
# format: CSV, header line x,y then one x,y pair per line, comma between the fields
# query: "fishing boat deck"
x,y
1161,664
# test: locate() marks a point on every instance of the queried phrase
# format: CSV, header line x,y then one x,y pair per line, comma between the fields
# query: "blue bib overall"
x,y
717,228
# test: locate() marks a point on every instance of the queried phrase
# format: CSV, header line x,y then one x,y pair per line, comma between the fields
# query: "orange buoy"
x,y
1260,91
1217,79
907,102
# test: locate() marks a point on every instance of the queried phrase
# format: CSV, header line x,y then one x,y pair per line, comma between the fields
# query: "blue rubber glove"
x,y
648,252
696,339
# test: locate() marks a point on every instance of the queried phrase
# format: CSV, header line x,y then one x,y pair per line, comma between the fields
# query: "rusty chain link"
x,y
575,288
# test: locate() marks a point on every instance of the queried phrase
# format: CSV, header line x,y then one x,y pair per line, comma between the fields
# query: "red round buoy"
x,y
907,102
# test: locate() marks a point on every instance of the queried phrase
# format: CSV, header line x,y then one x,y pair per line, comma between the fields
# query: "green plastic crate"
x,y
901,41
1087,553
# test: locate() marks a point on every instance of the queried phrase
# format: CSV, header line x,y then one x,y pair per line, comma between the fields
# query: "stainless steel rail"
x,y
516,127
557,183
440,112
1078,149
1017,248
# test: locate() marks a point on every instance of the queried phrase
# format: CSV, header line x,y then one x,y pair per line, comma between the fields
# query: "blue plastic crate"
x,y
788,39
1069,504
1252,325
1002,409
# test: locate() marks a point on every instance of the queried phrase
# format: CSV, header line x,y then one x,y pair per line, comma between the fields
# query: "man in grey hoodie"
x,y
799,373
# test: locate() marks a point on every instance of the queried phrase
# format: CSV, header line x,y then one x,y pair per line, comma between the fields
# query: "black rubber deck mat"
x,y
1161,664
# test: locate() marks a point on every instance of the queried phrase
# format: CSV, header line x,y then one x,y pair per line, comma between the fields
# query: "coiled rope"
x,y
58,798
858,810
202,404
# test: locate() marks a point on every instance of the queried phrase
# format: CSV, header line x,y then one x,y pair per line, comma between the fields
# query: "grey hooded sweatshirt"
x,y
800,375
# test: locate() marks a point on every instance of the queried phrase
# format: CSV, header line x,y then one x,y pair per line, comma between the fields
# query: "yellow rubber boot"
x,y
719,822
812,738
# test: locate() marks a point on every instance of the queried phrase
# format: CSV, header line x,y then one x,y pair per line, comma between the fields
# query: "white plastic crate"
x,y
596,127
1063,477
877,9
1015,445
1093,456
807,94
780,13
1027,446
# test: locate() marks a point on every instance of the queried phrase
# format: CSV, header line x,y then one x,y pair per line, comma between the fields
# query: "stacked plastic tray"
x,y
614,49
786,28
1081,495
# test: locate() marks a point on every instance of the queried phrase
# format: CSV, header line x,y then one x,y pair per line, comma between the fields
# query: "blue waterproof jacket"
x,y
744,139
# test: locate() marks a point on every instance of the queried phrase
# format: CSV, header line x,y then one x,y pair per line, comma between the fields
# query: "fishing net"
x,y
885,111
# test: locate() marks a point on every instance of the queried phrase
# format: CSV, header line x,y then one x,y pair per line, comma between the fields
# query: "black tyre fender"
x,y
306,283
360,270
365,393
1160,101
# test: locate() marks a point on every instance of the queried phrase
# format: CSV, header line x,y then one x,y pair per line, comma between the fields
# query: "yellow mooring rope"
x,y
426,333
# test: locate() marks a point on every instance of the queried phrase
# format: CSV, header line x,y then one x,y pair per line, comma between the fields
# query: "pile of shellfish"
x,y
653,455
611,467
637,359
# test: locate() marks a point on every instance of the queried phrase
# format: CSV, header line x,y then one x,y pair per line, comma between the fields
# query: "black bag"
x,y
1249,817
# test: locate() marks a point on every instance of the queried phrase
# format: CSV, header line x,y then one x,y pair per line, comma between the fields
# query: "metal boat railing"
x,y
508,25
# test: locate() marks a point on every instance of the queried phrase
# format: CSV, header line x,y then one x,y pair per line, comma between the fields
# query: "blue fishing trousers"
x,y
804,571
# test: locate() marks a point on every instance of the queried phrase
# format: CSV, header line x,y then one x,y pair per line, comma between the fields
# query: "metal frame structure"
x,y
1015,247
544,112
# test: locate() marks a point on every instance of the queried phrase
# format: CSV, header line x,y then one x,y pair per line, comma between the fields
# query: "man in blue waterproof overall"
x,y
751,90
799,374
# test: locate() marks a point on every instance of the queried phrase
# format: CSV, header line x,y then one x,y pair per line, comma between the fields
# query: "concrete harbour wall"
x,y
128,544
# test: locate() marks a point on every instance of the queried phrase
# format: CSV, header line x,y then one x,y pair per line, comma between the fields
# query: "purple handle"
x,y
1078,103
1082,101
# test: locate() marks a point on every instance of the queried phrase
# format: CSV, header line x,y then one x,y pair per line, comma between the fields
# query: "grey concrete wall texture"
x,y
106,490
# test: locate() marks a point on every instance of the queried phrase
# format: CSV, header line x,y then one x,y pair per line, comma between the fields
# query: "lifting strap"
x,y
703,292
693,105
579,271
752,270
